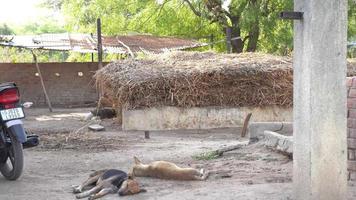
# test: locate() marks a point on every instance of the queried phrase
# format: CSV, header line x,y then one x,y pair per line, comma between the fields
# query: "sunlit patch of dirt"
x,y
91,141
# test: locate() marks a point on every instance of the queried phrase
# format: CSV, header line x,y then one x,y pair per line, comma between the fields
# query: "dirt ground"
x,y
68,153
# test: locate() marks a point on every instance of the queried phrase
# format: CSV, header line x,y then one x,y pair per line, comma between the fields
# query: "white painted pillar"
x,y
320,148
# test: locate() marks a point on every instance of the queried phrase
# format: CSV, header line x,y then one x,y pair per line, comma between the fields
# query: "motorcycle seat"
x,y
4,86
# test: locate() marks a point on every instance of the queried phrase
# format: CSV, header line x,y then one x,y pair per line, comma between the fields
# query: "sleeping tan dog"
x,y
166,170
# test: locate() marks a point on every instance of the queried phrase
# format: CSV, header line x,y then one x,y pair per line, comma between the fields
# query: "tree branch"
x,y
159,9
197,13
245,38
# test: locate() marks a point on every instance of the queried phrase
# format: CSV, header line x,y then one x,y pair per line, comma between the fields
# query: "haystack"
x,y
195,79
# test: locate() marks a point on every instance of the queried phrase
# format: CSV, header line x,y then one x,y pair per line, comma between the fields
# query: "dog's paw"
x,y
202,172
76,189
74,186
91,197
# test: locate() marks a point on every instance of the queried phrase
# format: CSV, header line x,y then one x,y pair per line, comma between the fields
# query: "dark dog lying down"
x,y
105,182
102,113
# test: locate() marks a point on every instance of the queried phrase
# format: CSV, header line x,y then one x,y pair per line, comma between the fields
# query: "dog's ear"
x,y
137,161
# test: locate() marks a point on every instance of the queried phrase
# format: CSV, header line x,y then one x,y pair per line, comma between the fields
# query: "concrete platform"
x,y
174,118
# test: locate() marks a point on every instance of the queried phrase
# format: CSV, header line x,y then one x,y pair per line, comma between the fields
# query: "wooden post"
x,y
100,44
100,57
319,105
228,39
92,54
211,41
42,82
245,125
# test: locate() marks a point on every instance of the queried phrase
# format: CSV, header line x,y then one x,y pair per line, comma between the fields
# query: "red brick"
x,y
351,165
351,154
351,143
353,82
349,81
352,92
352,113
352,133
351,123
351,102
352,176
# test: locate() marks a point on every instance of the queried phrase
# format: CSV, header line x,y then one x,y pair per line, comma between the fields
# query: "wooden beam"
x,y
245,126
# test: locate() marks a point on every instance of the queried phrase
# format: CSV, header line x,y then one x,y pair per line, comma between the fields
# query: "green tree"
x,y
171,18
5,30
248,19
255,21
352,20
52,4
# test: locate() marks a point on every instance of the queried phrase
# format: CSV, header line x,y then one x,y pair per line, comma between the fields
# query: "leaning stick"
x,y
42,82
245,126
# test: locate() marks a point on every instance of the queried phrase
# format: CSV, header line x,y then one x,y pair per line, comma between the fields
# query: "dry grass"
x,y
195,79
191,79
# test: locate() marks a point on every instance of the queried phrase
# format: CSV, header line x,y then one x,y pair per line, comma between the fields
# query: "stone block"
x,y
256,129
278,142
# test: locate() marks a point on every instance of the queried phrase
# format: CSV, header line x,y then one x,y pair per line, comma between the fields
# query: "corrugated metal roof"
x,y
86,43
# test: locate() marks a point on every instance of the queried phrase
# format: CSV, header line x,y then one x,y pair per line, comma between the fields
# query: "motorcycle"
x,y
13,137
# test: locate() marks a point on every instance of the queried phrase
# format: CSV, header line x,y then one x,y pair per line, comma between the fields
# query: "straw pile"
x,y
192,79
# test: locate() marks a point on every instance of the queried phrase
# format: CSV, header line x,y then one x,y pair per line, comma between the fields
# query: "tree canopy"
x,y
255,21
254,24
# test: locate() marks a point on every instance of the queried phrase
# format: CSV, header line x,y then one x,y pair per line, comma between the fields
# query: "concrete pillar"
x,y
320,149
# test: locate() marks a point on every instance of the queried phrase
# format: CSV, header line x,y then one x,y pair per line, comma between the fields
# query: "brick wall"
x,y
64,84
351,126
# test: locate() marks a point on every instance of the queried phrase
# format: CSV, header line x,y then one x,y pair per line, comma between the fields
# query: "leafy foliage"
x,y
256,21
351,32
211,155
5,30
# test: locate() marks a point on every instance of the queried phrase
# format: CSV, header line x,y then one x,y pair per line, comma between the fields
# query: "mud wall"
x,y
68,84
172,118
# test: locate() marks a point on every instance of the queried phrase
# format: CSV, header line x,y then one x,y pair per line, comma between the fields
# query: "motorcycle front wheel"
x,y
12,168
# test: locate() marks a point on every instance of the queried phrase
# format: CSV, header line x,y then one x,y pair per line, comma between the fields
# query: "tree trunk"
x,y
237,44
253,38
228,39
254,32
